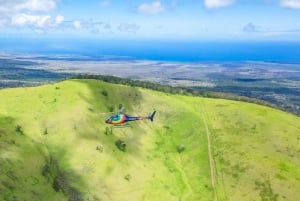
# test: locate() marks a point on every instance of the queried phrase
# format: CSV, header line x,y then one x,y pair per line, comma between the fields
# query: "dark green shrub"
x,y
121,145
111,108
104,93
19,129
180,148
108,131
127,177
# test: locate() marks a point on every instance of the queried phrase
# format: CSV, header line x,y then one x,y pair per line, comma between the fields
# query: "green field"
x,y
54,145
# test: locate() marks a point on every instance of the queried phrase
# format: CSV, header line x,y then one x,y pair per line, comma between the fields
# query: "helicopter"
x,y
121,119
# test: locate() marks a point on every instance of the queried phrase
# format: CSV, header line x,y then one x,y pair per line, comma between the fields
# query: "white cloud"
x,y
36,21
25,19
87,24
14,6
95,27
217,3
8,6
59,19
290,3
32,14
77,24
38,5
151,8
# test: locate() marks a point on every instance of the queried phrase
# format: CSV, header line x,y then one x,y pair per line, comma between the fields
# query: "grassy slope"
x,y
255,148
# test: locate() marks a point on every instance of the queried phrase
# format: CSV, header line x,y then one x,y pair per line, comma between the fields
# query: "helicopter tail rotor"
x,y
151,117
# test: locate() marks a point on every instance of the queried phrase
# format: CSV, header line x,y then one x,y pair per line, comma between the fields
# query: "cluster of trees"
x,y
173,90
136,83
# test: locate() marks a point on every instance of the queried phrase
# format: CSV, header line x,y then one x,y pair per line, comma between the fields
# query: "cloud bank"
x,y
39,21
29,13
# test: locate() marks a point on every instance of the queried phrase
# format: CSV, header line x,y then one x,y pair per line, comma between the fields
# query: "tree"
x,y
19,129
121,145
104,93
180,148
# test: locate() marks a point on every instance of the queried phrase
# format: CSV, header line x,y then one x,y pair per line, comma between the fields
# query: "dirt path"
x,y
211,159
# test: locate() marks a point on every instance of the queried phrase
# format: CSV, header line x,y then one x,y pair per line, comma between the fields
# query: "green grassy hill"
x,y
54,145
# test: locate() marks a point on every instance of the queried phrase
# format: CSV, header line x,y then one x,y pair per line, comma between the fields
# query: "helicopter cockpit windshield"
x,y
113,118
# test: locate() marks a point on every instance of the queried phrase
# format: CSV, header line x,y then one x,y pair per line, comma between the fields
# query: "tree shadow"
x,y
27,172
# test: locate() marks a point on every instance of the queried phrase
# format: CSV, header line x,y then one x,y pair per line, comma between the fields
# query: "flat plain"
x,y
274,82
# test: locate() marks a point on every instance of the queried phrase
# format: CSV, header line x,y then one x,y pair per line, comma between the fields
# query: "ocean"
x,y
177,51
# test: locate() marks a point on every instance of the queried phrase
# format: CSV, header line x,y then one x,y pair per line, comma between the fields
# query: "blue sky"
x,y
151,19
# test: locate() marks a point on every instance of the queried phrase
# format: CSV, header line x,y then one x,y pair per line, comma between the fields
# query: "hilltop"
x,y
54,145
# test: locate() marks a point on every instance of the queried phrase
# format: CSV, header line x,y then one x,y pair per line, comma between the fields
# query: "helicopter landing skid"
x,y
121,126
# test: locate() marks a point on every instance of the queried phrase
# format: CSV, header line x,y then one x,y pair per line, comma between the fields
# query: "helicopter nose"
x,y
108,121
